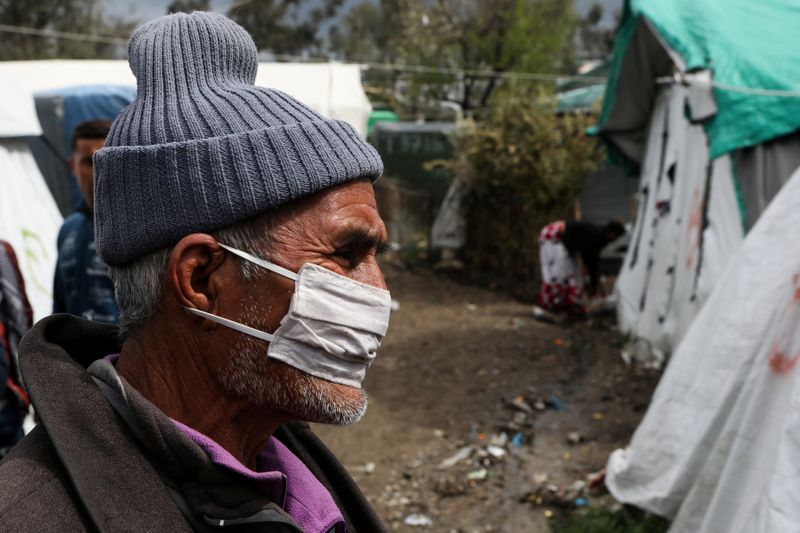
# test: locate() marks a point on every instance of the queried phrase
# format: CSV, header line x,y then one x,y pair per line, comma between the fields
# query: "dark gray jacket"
x,y
83,469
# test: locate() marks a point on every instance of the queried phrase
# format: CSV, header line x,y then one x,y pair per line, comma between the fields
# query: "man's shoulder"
x,y
35,492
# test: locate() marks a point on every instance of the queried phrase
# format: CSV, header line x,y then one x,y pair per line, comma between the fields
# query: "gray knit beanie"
x,y
201,147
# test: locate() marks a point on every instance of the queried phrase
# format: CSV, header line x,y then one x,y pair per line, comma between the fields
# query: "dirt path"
x,y
454,358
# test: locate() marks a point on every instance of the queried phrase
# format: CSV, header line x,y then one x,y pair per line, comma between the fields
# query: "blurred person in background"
x,y
82,286
15,319
562,248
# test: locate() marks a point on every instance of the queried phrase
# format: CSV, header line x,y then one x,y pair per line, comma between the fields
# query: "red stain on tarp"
x,y
779,359
693,229
780,363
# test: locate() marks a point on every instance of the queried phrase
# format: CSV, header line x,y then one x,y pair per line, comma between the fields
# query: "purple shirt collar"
x,y
281,477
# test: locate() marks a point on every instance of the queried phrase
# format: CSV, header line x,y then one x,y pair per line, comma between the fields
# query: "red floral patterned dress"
x,y
561,282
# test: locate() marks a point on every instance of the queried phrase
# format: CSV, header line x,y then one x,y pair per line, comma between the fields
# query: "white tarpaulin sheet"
x,y
687,227
448,229
29,218
719,448
332,89
18,112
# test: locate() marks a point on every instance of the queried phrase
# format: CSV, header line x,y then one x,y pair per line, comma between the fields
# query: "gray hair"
x,y
139,284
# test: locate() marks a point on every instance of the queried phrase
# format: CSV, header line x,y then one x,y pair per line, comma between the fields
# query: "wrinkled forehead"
x,y
347,211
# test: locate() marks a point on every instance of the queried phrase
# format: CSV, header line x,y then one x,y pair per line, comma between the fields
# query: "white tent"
x,y
718,450
686,231
332,89
29,217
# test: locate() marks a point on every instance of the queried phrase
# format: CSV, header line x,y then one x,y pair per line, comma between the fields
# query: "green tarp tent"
x,y
749,47
703,96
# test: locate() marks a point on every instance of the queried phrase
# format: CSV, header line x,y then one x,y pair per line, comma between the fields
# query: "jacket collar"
x,y
122,473
116,485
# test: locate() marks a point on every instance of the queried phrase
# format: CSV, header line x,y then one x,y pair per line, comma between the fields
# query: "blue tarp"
x,y
60,111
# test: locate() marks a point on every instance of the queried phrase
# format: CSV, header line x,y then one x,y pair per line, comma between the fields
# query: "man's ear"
x,y
192,263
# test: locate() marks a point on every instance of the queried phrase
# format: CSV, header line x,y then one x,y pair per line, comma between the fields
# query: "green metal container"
x,y
405,147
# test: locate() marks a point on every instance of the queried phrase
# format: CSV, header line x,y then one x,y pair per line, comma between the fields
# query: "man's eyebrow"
x,y
360,237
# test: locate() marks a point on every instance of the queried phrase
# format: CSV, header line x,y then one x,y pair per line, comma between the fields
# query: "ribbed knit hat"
x,y
201,147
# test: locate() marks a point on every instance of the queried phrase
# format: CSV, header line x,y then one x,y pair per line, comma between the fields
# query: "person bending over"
x,y
561,246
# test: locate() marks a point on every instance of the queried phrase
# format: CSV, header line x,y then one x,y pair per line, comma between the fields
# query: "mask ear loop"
x,y
262,262
247,330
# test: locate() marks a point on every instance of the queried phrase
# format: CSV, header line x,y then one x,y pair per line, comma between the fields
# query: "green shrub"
x,y
523,167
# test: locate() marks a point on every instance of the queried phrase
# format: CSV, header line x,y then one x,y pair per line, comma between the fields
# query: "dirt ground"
x,y
455,358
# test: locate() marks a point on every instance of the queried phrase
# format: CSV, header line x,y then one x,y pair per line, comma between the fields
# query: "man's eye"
x,y
346,255
357,253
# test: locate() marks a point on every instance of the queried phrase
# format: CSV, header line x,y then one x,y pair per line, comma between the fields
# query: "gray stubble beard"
x,y
251,375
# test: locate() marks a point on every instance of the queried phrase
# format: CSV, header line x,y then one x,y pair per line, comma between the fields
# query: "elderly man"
x,y
241,233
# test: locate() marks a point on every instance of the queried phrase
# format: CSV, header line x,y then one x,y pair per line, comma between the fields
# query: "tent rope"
x,y
680,77
755,91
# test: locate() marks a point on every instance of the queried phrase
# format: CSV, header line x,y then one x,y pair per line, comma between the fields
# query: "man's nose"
x,y
370,272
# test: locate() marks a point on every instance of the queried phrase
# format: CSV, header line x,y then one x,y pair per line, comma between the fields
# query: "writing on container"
x,y
413,144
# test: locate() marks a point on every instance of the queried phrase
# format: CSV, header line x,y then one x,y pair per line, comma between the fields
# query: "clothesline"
x,y
427,69
420,69
680,77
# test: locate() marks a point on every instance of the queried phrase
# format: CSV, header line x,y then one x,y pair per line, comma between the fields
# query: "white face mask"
x,y
334,325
